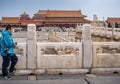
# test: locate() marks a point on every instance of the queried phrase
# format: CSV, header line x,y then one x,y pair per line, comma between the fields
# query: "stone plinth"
x,y
32,77
22,58
67,71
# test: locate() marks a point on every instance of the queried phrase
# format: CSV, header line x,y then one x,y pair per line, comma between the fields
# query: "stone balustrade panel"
x,y
106,54
21,52
61,57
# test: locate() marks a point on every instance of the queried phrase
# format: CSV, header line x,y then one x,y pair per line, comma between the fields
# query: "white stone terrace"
x,y
66,57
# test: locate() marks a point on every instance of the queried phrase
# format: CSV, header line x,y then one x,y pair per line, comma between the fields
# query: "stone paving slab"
x,y
108,75
46,77
54,77
15,78
61,81
64,79
103,80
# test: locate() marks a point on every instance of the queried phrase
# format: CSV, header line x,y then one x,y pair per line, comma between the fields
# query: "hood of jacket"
x,y
6,32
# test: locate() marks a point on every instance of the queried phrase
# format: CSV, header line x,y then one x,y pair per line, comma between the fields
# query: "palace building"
x,y
47,18
10,20
113,22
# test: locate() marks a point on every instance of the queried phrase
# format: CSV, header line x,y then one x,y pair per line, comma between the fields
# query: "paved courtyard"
x,y
64,79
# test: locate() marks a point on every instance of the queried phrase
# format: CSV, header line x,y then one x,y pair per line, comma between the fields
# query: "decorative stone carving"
x,y
108,50
31,32
62,51
86,35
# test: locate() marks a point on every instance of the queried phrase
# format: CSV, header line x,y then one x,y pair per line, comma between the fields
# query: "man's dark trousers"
x,y
6,61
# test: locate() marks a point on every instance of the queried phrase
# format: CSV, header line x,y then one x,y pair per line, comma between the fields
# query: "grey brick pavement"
x,y
64,79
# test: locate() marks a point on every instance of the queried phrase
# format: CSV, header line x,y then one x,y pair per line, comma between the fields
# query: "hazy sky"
x,y
102,8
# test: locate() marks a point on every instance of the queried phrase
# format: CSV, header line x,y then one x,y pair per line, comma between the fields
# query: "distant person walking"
x,y
7,52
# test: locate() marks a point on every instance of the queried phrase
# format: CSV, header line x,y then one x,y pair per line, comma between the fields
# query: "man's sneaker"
x,y
7,77
11,72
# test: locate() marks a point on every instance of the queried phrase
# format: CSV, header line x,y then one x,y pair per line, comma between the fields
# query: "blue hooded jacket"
x,y
7,43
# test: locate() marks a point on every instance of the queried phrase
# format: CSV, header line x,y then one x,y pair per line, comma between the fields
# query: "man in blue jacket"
x,y
7,52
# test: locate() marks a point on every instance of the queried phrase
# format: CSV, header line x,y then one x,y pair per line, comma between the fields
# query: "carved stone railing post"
x,y
31,47
87,47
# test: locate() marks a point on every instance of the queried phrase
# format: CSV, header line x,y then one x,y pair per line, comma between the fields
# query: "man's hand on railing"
x,y
15,44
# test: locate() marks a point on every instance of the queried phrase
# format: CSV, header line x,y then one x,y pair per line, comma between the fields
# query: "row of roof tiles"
x,y
58,13
14,20
54,13
17,20
113,20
